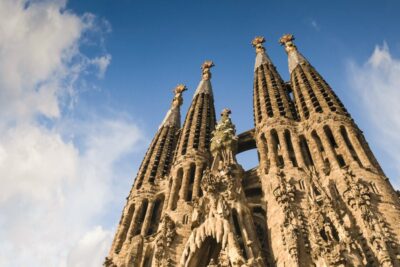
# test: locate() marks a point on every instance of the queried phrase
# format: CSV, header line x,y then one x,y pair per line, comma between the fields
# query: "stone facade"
x,y
317,198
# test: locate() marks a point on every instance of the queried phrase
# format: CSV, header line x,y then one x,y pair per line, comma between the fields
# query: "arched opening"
x,y
141,217
126,222
320,147
155,215
248,159
208,251
349,145
330,137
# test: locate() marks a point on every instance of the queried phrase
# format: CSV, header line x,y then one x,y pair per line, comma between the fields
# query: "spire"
x,y
157,161
269,91
261,57
173,117
205,84
200,119
294,56
311,92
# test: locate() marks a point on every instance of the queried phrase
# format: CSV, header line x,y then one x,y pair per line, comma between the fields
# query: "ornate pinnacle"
x,y
206,66
226,112
178,100
287,41
258,44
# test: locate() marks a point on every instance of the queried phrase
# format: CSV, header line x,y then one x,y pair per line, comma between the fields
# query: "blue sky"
x,y
85,84
155,45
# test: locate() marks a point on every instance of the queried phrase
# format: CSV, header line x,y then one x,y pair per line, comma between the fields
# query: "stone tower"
x,y
317,198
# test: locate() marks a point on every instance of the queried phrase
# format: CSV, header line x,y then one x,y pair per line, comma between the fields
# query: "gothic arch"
x,y
206,242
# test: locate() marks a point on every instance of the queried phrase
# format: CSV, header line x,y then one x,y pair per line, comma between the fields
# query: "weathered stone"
x,y
317,198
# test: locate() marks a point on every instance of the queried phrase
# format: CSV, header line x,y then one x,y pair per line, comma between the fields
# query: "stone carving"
x,y
294,57
214,212
287,41
207,65
357,196
178,100
224,141
258,44
164,239
330,240
285,195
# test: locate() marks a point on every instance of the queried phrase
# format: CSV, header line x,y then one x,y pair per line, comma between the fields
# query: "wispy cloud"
x,y
52,190
314,24
376,84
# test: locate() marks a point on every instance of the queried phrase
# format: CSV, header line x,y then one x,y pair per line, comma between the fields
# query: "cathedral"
x,y
318,196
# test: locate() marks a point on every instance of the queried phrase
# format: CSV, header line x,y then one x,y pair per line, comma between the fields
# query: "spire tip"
x,y
206,66
258,44
287,41
178,100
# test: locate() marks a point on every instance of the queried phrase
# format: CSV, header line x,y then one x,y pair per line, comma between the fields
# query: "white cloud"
x,y
53,191
376,84
101,63
95,243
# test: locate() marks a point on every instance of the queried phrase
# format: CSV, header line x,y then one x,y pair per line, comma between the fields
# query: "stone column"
x,y
173,192
316,154
134,222
261,150
272,154
331,153
185,183
361,153
147,218
197,181
249,224
297,150
284,149
344,149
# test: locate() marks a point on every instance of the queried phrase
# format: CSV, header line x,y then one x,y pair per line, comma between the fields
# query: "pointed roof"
x,y
173,116
261,57
200,118
205,84
269,90
294,56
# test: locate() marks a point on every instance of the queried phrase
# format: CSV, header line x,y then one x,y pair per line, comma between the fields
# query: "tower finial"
x,y
173,116
258,44
261,55
287,41
206,66
294,56
178,100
